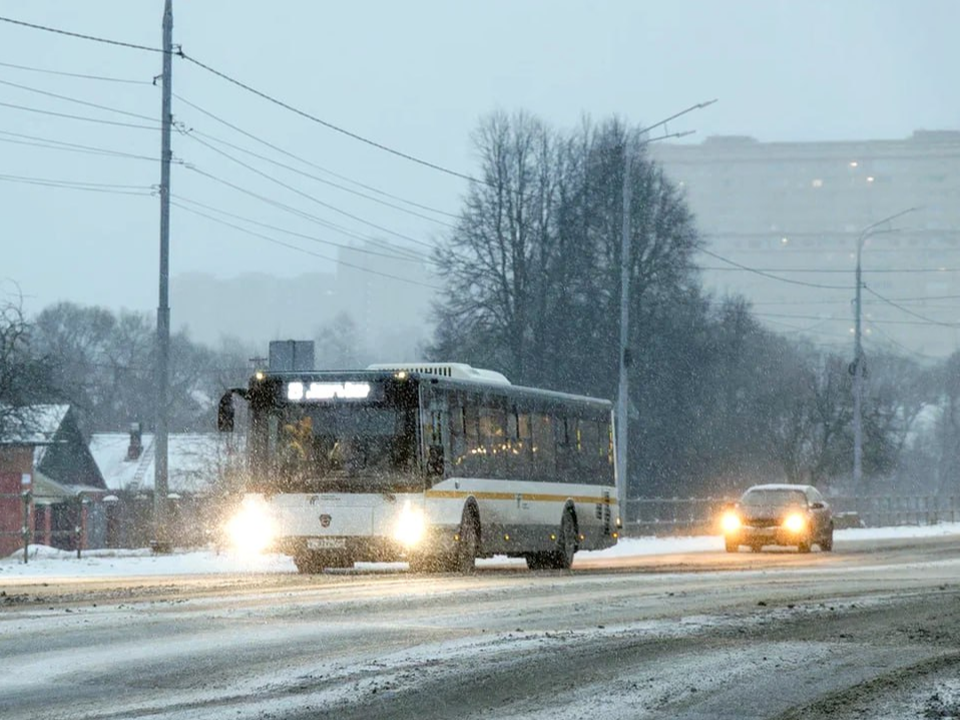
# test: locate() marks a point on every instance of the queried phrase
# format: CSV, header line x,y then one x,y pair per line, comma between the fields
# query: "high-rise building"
x,y
785,219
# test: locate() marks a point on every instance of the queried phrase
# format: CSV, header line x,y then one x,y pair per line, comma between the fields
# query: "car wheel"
x,y
826,544
732,545
756,548
803,546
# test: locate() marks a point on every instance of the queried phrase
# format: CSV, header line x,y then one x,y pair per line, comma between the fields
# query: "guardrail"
x,y
672,516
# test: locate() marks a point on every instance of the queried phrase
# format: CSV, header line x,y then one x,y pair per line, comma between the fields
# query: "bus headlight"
x,y
730,522
795,523
411,526
251,530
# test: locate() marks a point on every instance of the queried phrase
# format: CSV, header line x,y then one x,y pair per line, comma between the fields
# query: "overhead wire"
x,y
313,118
293,233
52,144
313,199
763,273
908,311
80,117
80,36
296,211
119,189
76,100
303,250
300,159
75,75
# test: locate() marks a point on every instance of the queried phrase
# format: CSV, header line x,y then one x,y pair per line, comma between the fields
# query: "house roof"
x,y
38,424
195,461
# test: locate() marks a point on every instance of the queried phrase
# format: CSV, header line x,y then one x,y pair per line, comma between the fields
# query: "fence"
x,y
695,516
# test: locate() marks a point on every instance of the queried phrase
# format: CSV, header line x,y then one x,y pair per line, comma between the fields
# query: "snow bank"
x,y
50,562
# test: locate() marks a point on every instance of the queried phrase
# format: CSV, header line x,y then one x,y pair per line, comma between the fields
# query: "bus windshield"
x,y
342,448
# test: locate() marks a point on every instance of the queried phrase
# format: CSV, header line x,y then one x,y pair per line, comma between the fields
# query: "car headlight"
x,y
251,530
730,522
411,525
795,523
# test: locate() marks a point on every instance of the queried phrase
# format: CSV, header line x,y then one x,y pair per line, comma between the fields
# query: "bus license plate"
x,y
326,543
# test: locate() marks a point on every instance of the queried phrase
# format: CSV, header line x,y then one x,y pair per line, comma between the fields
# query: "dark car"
x,y
779,515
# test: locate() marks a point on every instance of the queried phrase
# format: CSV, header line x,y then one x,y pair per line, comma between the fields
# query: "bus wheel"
x,y
469,544
307,563
568,541
562,557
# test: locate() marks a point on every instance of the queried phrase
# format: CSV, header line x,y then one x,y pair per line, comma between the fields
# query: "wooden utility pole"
x,y
161,542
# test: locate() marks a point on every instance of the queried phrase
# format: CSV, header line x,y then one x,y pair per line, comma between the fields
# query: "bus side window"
x,y
471,433
565,429
493,436
457,418
544,449
590,452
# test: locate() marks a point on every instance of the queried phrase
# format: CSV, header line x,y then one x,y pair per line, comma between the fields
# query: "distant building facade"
x,y
797,210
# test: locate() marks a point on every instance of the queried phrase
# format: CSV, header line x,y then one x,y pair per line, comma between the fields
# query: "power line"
x,y
294,211
307,196
908,311
293,233
326,124
316,178
300,159
79,117
80,36
302,250
70,147
118,189
254,91
774,277
76,100
898,344
76,75
925,321
832,270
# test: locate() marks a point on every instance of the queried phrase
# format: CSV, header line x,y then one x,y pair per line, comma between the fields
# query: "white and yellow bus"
x,y
436,464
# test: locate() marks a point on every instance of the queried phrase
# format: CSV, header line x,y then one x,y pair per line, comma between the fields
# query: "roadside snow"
x,y
48,562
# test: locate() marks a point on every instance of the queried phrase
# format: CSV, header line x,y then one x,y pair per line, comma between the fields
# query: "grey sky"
x,y
415,76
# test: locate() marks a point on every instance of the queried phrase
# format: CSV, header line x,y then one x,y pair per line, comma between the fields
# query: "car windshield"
x,y
774,498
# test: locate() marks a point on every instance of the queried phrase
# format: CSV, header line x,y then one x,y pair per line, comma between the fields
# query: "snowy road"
x,y
872,630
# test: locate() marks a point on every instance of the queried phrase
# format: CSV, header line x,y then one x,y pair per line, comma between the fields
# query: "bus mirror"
x,y
225,413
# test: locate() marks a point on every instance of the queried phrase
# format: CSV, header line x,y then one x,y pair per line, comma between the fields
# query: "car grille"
x,y
762,522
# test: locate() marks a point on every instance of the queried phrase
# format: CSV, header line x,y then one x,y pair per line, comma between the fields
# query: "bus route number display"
x,y
327,391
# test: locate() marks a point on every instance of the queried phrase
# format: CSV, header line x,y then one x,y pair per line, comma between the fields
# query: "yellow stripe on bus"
x,y
534,497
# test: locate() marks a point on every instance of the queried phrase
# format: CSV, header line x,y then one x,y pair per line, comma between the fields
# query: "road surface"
x,y
871,630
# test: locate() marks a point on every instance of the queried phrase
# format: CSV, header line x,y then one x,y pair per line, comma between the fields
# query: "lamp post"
x,y
858,350
623,396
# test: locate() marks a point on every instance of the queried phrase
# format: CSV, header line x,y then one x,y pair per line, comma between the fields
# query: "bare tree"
x,y
25,377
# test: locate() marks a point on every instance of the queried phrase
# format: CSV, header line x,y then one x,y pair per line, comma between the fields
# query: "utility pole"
x,y
623,395
858,365
161,542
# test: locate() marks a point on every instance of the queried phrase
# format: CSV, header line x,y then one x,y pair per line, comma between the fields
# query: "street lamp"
x,y
623,401
873,229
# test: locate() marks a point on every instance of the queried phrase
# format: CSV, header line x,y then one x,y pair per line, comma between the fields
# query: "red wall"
x,y
14,463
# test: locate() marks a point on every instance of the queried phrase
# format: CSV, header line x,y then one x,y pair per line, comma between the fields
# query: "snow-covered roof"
x,y
36,425
194,461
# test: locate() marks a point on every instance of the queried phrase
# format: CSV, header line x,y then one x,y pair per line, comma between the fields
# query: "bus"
x,y
437,464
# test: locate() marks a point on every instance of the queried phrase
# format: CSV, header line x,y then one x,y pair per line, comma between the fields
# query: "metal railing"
x,y
673,516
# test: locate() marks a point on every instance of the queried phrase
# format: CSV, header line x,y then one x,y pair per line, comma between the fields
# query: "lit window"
x,y
784,240
853,163
870,179
817,182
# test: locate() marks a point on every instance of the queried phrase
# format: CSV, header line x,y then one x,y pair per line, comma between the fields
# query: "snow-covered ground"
x,y
49,562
